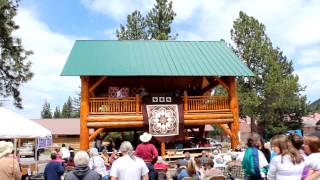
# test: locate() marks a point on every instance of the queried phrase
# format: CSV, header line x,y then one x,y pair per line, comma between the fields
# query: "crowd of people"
x,y
291,157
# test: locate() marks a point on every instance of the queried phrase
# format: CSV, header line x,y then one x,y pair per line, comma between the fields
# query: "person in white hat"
x,y
9,166
148,152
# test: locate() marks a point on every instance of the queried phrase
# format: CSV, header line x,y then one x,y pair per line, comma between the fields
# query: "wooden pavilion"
x,y
117,75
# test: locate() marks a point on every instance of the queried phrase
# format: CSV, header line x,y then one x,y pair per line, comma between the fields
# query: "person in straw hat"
x,y
148,152
9,166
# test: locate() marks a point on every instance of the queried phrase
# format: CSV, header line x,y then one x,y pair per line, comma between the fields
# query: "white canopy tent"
x,y
14,126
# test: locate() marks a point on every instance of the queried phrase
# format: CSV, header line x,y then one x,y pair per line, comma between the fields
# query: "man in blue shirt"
x,y
54,169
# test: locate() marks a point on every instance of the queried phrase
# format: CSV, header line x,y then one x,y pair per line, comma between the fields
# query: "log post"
x,y
163,149
232,83
137,104
84,112
185,101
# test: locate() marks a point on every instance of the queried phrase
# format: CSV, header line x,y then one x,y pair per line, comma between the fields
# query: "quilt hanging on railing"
x,y
163,117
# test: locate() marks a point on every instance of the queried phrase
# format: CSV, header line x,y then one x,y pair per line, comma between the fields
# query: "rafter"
x,y
97,83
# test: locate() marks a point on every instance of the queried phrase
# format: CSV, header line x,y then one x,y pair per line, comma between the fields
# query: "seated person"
x,y
210,170
161,165
204,157
190,171
233,162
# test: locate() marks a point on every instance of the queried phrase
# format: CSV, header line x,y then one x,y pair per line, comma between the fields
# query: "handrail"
x,y
192,104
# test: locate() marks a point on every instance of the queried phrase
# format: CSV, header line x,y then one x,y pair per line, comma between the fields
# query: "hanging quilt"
x,y
163,119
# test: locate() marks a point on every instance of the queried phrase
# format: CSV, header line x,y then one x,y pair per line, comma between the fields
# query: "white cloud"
x,y
116,9
310,56
310,77
50,53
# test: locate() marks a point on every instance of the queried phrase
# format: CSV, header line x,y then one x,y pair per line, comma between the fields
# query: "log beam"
x,y
225,129
135,124
222,82
97,83
95,134
235,111
84,112
126,118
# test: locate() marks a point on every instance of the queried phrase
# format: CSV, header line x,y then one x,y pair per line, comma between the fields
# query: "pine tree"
x,y
156,25
273,96
14,67
76,105
57,113
46,111
159,20
134,29
67,109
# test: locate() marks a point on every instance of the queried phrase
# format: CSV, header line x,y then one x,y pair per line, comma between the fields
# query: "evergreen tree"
x,y
57,113
76,105
46,111
159,20
134,29
67,109
273,96
156,25
14,67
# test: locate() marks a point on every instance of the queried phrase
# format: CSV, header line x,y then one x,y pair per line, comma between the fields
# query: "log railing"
x,y
206,103
106,105
192,104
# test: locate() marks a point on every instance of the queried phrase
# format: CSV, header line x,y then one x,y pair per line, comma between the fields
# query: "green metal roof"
x,y
153,58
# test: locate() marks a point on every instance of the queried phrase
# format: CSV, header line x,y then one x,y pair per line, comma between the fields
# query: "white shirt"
x,y
125,168
65,153
313,162
284,170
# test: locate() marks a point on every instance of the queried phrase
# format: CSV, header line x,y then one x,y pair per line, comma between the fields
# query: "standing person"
x,y
54,169
148,152
9,166
96,163
82,170
128,167
288,163
65,153
254,161
312,149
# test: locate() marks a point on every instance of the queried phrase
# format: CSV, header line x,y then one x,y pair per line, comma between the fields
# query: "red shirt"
x,y
147,151
161,166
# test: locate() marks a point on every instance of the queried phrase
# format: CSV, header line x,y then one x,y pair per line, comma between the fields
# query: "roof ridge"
x,y
149,40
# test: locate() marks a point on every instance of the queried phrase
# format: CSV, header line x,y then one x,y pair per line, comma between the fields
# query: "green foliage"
x,y
273,96
57,113
46,111
220,91
67,109
14,67
134,29
71,108
156,25
159,20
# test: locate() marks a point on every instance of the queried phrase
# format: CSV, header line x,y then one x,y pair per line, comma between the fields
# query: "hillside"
x,y
315,106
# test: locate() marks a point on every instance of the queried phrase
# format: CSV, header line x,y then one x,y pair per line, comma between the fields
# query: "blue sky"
x,y
49,28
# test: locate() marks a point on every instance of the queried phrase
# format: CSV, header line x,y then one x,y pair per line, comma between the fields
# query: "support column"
x,y
163,149
84,112
232,83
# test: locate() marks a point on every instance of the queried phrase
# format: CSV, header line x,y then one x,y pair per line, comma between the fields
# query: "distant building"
x,y
309,123
65,131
